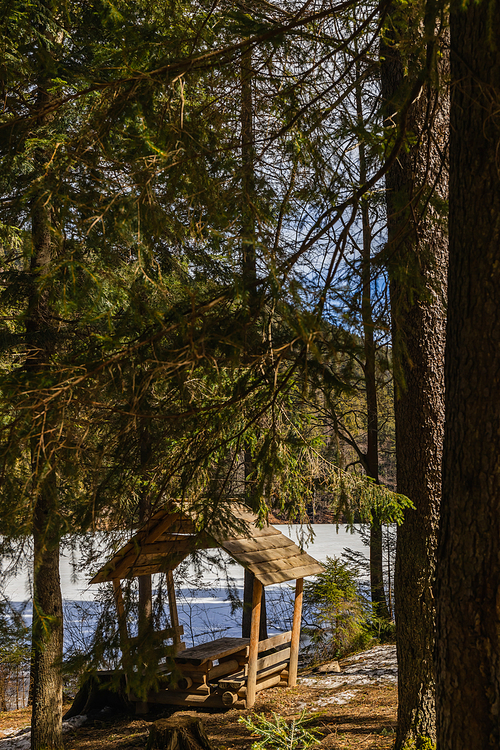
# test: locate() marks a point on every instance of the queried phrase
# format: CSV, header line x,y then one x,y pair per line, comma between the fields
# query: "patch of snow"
x,y
74,722
339,699
378,664
20,739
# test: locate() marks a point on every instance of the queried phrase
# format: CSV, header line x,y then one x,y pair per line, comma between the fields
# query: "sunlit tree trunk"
x,y
417,261
371,457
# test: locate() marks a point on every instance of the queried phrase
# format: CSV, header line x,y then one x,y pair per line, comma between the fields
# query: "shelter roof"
x,y
169,537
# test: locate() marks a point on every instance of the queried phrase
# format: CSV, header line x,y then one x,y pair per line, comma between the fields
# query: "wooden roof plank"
x,y
201,540
290,574
160,528
143,570
274,553
253,533
158,523
237,546
296,561
162,548
265,551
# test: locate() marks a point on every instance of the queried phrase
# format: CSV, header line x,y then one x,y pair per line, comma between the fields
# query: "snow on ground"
x,y
375,666
20,739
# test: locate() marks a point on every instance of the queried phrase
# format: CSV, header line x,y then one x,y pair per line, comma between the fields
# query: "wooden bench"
x,y
216,673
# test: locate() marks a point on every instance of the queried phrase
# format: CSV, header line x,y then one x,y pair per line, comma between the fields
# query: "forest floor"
x,y
354,710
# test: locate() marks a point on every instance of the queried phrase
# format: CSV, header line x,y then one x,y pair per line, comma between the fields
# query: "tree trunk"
x,y
468,573
371,459
249,577
145,614
47,624
46,721
417,261
145,582
379,602
178,733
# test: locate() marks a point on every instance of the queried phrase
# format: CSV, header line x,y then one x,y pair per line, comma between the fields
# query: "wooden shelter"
x,y
226,671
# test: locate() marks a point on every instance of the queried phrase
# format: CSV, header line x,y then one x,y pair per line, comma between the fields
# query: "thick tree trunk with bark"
x,y
47,626
468,573
417,261
249,578
46,722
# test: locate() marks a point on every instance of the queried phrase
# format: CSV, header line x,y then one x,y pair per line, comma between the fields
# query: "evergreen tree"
x,y
140,355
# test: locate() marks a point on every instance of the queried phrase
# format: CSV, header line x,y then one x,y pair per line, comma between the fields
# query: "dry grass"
x,y
366,722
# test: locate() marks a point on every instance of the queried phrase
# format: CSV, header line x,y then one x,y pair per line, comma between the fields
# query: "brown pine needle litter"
x,y
366,722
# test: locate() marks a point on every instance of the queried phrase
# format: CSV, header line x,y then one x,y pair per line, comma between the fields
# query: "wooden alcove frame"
x,y
240,673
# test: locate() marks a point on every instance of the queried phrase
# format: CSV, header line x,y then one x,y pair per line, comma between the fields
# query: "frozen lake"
x,y
327,542
204,604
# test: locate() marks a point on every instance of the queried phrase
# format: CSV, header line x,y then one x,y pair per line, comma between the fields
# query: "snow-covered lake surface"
x,y
329,541
204,604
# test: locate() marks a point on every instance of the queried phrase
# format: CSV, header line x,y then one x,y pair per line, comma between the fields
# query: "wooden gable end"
x,y
170,537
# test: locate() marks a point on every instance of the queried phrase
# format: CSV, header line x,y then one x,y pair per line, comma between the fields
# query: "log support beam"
x,y
254,643
122,619
174,616
294,646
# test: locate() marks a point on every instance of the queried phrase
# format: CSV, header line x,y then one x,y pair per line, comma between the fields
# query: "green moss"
x,y
419,743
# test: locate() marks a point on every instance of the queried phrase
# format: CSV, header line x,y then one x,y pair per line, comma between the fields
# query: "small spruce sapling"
x,y
278,734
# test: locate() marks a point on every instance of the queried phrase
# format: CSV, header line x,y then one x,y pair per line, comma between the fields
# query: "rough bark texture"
x,y
468,579
99,691
417,261
47,624
47,628
371,458
249,578
46,722
178,733
379,602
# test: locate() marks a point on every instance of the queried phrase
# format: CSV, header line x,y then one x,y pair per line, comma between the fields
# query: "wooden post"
x,y
294,646
172,605
145,603
246,621
254,643
146,581
122,627
144,623
122,620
